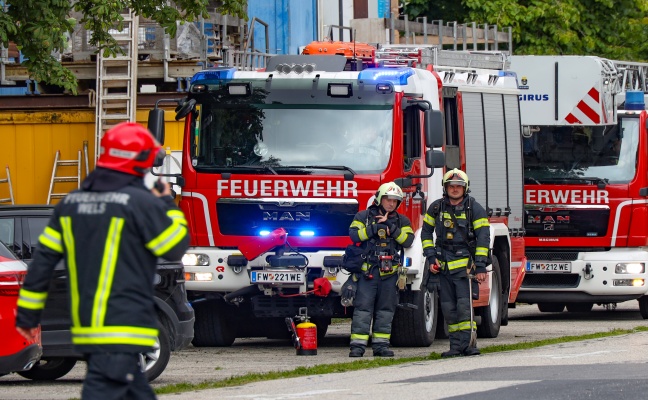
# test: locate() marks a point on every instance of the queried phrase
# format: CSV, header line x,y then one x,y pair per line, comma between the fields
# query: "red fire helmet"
x,y
129,147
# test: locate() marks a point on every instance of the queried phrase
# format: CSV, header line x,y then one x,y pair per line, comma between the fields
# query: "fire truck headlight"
x,y
628,282
630,268
199,276
194,259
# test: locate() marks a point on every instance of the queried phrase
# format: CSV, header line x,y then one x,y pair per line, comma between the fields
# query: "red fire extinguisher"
x,y
304,334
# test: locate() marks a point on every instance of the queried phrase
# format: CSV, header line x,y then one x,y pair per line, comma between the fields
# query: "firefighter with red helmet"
x,y
383,233
110,234
462,244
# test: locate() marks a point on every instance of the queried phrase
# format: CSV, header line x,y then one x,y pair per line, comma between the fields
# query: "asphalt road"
x,y
262,355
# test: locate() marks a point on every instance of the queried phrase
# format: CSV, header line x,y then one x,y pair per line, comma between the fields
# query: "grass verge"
x,y
375,363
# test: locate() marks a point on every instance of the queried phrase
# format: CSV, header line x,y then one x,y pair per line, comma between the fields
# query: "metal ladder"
x,y
423,55
634,75
60,179
9,199
117,81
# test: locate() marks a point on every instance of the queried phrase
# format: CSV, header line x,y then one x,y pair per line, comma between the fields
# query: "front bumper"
x,y
22,360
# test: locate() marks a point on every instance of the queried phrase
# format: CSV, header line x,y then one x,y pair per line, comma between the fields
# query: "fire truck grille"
x,y
547,281
249,217
556,222
552,256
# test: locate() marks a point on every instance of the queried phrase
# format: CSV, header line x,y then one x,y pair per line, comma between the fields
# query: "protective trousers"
x,y
375,298
113,376
455,305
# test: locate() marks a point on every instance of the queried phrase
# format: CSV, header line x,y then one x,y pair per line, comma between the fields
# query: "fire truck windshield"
x,y
283,132
573,154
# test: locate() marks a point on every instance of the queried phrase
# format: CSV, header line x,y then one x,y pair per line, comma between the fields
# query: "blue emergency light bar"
x,y
215,74
634,100
397,76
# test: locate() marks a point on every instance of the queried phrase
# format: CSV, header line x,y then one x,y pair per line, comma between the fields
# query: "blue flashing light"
x,y
307,233
634,100
507,73
408,262
264,233
397,76
214,74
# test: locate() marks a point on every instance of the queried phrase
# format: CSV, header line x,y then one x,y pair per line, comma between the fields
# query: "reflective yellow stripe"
x,y
428,219
51,239
465,325
428,243
403,235
453,328
458,216
480,223
460,263
32,300
68,239
381,335
481,251
107,273
362,231
114,335
358,336
177,216
167,239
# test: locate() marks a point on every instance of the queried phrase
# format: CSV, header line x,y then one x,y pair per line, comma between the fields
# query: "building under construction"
x,y
50,138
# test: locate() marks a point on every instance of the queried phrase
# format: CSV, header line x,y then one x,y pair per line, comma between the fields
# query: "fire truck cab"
x,y
276,163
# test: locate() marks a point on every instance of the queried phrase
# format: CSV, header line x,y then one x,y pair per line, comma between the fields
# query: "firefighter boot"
x,y
383,352
356,352
451,353
471,351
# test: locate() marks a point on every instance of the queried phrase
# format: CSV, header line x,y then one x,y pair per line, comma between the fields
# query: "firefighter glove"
x,y
393,230
480,267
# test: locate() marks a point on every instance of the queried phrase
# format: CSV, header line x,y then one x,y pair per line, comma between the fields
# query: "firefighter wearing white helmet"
x,y
462,244
383,233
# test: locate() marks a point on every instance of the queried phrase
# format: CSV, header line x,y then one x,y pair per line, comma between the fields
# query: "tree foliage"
x,y
38,27
608,28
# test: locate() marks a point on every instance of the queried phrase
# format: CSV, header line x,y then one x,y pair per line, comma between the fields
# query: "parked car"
x,y
16,353
20,227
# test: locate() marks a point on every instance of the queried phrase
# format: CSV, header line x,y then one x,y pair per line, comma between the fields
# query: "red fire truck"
x,y
276,163
585,184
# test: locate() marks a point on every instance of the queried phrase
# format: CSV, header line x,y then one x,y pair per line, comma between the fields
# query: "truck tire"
x,y
551,307
322,327
213,327
504,264
49,369
579,307
491,315
415,328
156,360
643,306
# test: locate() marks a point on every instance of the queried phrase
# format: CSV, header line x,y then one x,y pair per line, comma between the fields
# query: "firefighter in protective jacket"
x,y
462,244
383,233
110,234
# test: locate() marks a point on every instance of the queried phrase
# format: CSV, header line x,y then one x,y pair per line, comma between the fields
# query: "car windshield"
x,y
289,132
577,154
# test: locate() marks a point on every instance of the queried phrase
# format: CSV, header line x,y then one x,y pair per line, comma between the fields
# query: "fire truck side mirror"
x,y
156,124
434,159
433,128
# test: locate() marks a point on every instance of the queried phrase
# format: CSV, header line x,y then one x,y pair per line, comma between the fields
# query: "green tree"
x,y
606,28
38,27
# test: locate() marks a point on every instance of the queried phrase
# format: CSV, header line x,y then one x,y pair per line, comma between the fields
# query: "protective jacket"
x,y
459,238
376,298
401,235
110,238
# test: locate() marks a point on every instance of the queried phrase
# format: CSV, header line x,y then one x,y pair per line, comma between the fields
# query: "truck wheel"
x,y
579,307
491,315
551,307
49,369
415,328
156,360
213,327
503,259
643,306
